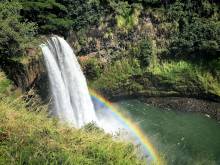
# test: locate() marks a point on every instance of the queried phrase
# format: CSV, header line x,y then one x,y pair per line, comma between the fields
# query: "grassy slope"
x,y
4,83
32,138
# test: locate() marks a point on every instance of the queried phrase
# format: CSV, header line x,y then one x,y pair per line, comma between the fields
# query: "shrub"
x,y
127,15
144,52
118,77
83,13
4,83
92,68
199,38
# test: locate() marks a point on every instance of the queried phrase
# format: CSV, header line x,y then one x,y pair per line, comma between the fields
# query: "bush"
x,y
4,83
144,52
118,77
198,31
127,16
200,38
15,35
83,13
92,68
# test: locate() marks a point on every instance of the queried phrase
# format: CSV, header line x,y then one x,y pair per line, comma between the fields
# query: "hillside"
x,y
33,138
141,48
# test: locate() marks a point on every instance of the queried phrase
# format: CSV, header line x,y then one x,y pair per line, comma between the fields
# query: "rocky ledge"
x,y
184,104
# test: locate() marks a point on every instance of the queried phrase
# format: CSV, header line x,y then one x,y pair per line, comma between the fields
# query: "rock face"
x,y
28,75
105,40
186,105
24,76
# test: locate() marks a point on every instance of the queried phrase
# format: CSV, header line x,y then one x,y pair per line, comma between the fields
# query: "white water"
x,y
71,99
72,102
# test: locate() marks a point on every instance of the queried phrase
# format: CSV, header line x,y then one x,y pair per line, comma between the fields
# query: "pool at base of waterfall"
x,y
181,138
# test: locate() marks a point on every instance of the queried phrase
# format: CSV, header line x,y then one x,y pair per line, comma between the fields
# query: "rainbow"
x,y
133,127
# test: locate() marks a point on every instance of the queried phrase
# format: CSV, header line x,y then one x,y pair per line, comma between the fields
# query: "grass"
x,y
187,74
173,72
32,138
4,83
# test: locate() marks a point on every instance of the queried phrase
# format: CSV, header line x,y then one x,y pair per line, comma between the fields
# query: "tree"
x,y
200,37
14,34
50,16
144,52
83,13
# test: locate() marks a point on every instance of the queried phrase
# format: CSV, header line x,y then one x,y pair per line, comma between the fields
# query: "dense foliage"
x,y
199,29
196,23
83,13
144,52
15,34
151,32
50,16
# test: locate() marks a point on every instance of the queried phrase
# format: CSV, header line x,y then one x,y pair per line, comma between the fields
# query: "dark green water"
x,y
182,138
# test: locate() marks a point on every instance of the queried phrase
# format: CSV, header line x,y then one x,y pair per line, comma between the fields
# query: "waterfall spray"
x,y
72,102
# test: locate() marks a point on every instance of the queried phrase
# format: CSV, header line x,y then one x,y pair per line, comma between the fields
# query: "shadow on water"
x,y
184,138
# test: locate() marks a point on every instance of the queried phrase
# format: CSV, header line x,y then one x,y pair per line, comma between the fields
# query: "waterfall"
x,y
71,99
72,102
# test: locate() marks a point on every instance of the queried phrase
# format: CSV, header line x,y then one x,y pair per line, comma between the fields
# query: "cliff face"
x,y
29,75
24,76
107,41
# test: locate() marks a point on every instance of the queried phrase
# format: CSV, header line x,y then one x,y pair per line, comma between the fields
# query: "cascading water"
x,y
72,102
71,98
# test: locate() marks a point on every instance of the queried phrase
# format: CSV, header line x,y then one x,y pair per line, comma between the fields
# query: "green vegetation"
x,y
15,35
83,13
4,83
92,68
126,15
186,74
50,16
176,43
33,138
118,77
197,35
144,52
128,77
140,46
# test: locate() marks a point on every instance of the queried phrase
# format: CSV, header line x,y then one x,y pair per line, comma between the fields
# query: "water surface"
x,y
182,138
